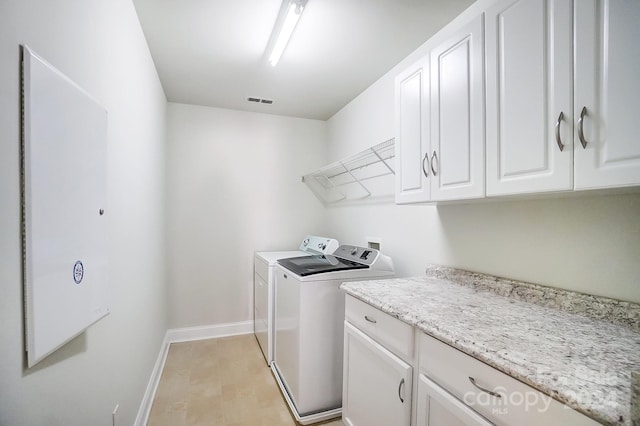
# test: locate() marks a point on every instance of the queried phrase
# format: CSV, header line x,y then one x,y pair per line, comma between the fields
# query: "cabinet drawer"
x,y
518,403
390,332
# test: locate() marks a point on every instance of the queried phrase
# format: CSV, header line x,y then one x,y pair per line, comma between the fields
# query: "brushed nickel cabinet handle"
x,y
558,139
372,320
399,390
424,169
492,393
581,127
434,157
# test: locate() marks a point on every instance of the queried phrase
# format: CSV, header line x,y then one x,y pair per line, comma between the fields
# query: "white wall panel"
x,y
65,194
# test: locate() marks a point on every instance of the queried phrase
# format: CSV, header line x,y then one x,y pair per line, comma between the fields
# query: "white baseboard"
x,y
176,335
154,380
189,334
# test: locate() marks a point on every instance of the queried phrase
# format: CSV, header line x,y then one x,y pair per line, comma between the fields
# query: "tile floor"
x,y
219,382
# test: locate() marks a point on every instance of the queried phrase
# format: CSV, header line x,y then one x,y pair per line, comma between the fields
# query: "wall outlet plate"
x,y
374,242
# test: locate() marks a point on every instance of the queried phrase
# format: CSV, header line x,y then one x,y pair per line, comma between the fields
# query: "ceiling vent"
x,y
260,100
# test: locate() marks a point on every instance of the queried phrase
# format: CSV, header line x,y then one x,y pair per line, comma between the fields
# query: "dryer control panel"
x,y
319,245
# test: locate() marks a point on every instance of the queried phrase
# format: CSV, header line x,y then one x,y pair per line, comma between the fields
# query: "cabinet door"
x,y
457,115
377,384
607,89
412,134
437,407
529,92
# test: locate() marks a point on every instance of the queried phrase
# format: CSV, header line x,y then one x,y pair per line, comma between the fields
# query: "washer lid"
x,y
318,264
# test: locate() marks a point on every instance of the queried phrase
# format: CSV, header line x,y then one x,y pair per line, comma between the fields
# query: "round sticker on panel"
x,y
78,272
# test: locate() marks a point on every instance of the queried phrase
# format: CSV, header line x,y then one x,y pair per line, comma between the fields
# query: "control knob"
x,y
353,251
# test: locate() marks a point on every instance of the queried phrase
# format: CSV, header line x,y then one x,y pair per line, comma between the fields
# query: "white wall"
x,y
233,187
588,244
100,45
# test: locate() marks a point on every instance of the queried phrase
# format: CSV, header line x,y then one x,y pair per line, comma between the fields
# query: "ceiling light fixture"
x,y
288,17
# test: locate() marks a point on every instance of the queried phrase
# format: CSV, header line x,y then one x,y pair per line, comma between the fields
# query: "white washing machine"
x,y
309,324
264,287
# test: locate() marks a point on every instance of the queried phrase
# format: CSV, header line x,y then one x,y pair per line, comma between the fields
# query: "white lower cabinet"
x,y
392,368
463,389
437,407
377,387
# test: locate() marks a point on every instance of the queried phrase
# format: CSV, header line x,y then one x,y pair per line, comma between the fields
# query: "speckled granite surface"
x,y
561,344
616,311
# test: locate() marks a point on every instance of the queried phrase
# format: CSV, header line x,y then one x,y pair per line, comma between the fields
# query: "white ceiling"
x,y
212,52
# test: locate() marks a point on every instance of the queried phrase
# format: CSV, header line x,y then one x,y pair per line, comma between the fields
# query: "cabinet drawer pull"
x,y
558,139
424,169
399,391
581,127
370,319
434,157
492,393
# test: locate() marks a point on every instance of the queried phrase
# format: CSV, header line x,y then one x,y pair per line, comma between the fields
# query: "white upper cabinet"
x,y
529,96
561,107
412,134
440,121
607,89
457,115
562,95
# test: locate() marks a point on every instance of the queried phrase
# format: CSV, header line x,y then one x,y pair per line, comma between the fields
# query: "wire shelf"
x,y
357,177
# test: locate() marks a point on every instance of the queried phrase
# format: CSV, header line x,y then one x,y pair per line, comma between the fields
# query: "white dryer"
x,y
309,324
264,287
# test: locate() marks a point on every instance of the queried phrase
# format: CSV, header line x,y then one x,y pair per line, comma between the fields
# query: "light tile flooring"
x,y
219,382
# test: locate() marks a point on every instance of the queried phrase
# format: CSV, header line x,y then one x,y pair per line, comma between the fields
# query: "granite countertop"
x,y
582,350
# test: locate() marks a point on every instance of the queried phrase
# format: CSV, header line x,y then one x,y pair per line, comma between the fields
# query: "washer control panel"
x,y
357,254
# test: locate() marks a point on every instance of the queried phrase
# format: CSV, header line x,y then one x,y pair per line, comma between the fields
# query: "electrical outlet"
x,y
374,242
113,415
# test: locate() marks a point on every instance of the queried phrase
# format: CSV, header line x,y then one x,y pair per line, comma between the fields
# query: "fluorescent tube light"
x,y
284,27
